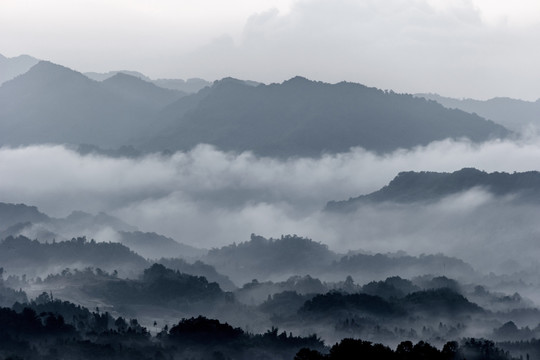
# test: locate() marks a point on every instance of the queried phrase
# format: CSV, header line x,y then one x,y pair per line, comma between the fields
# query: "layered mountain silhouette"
x,y
307,118
53,104
15,66
192,85
414,187
514,114
23,220
270,259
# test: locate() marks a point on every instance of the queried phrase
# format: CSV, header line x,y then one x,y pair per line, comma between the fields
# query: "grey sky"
x,y
459,48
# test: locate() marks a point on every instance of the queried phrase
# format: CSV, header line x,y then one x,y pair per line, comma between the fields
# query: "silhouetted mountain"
x,y
439,302
513,114
262,258
306,118
156,286
82,221
385,265
21,255
51,103
104,76
256,292
140,91
198,268
155,246
411,187
13,214
188,86
15,66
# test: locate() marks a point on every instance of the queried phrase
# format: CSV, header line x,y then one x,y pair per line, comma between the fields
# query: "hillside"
x,y
306,118
514,114
411,187
12,214
51,103
15,66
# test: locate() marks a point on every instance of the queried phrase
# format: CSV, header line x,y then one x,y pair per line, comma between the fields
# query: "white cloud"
x,y
461,48
208,198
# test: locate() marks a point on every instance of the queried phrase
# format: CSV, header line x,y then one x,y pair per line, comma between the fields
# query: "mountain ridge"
x,y
421,187
301,117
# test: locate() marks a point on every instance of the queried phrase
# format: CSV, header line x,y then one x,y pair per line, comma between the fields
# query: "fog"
x,y
472,48
207,198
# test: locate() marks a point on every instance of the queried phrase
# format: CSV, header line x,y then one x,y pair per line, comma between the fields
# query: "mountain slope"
x,y
411,187
140,91
513,114
186,86
51,103
12,214
15,66
305,118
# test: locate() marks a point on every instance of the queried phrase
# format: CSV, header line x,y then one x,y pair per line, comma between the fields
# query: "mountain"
x,y
51,103
20,255
15,66
139,91
187,86
104,76
411,187
513,114
155,246
306,118
262,258
12,214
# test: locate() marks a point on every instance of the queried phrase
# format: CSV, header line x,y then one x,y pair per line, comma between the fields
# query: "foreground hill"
x,y
514,114
411,187
51,103
306,118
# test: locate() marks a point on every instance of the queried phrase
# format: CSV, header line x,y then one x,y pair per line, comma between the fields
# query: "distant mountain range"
x,y
306,118
20,219
276,259
15,66
186,86
516,115
53,104
414,187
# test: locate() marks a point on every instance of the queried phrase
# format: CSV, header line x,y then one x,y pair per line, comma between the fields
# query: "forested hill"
x,y
305,118
411,187
11,214
271,259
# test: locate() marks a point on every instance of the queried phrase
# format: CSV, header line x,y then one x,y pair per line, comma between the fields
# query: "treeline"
x,y
468,349
46,328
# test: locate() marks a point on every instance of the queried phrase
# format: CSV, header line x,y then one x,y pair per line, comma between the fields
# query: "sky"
x,y
459,48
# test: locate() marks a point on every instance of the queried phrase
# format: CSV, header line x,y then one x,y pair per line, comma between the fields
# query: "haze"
x,y
210,198
476,48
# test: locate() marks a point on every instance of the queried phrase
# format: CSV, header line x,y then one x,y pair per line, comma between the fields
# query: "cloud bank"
x,y
206,197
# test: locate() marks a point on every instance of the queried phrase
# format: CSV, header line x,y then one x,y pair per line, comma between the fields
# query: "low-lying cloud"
x,y
206,197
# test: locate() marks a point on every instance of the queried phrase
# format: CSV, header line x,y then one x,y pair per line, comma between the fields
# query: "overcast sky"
x,y
459,48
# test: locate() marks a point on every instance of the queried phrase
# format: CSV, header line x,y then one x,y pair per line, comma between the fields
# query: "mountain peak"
x,y
228,81
48,71
298,80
